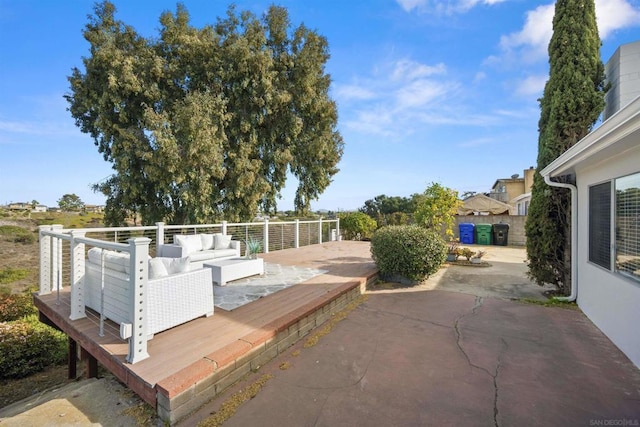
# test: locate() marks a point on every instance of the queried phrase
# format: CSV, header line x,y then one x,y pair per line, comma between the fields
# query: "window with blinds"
x,y
628,225
600,225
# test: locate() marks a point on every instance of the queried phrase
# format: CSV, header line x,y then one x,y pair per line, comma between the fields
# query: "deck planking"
x,y
176,352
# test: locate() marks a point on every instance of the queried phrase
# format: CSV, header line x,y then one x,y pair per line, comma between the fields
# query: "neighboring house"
x,y
94,208
39,208
521,203
606,225
19,206
507,189
622,73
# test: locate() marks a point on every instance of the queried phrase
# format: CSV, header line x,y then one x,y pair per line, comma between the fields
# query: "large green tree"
x,y
202,124
70,203
394,210
436,209
571,104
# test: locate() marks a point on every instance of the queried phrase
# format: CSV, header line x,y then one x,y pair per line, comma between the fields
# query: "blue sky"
x,y
427,91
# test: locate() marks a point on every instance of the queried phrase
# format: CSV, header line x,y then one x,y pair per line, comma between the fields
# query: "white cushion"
x,y
157,268
203,255
175,265
191,242
207,241
221,253
222,241
113,260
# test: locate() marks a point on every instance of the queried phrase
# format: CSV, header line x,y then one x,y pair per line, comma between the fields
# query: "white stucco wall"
x,y
610,300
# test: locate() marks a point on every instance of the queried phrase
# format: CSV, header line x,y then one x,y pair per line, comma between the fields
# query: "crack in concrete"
x,y
405,317
357,381
494,375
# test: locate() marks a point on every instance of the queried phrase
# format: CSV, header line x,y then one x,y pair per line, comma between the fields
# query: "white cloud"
x,y
534,36
422,93
449,7
613,15
531,85
352,92
397,96
530,44
406,70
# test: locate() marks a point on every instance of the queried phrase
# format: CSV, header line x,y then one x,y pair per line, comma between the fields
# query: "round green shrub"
x,y
28,346
357,225
409,251
15,306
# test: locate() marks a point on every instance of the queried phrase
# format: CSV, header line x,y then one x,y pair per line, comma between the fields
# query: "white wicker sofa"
x,y
176,294
201,248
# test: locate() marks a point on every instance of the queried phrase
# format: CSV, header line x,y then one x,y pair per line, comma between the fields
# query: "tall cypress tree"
x,y
571,104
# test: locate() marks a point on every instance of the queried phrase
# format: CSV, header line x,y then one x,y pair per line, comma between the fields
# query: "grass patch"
x,y
69,219
231,405
552,302
284,366
315,338
17,234
9,275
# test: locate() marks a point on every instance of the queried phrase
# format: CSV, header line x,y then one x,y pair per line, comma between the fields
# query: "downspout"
x,y
574,237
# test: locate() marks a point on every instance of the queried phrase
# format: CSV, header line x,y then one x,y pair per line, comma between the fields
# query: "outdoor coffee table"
x,y
229,269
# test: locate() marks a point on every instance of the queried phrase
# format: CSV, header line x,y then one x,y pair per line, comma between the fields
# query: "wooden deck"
x,y
193,362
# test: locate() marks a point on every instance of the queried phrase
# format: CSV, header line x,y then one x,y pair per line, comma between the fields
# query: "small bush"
x,y
14,233
15,306
409,251
10,275
357,225
28,346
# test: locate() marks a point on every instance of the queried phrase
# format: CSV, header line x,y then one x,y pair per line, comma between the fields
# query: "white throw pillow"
x,y
176,265
222,241
207,241
191,242
157,268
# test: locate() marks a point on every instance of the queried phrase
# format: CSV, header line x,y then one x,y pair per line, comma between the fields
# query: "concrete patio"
x,y
454,350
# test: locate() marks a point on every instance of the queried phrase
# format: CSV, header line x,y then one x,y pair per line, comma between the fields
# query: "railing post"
x,y
338,228
138,276
56,252
296,234
224,227
265,236
76,255
320,230
45,261
159,236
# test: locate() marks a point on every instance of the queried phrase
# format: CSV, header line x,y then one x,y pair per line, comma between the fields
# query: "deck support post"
x,y
72,371
92,363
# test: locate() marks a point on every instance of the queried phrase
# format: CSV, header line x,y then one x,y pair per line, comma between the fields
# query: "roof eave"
x,y
617,127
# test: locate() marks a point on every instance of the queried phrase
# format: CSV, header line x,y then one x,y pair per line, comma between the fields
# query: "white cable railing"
x,y
63,253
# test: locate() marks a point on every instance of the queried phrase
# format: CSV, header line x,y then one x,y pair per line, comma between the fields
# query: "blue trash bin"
x,y
467,233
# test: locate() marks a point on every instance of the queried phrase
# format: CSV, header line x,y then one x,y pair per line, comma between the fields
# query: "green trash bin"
x,y
483,234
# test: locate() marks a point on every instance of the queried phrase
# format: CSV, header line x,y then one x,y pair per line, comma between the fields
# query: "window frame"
x,y
592,246
615,225
611,264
